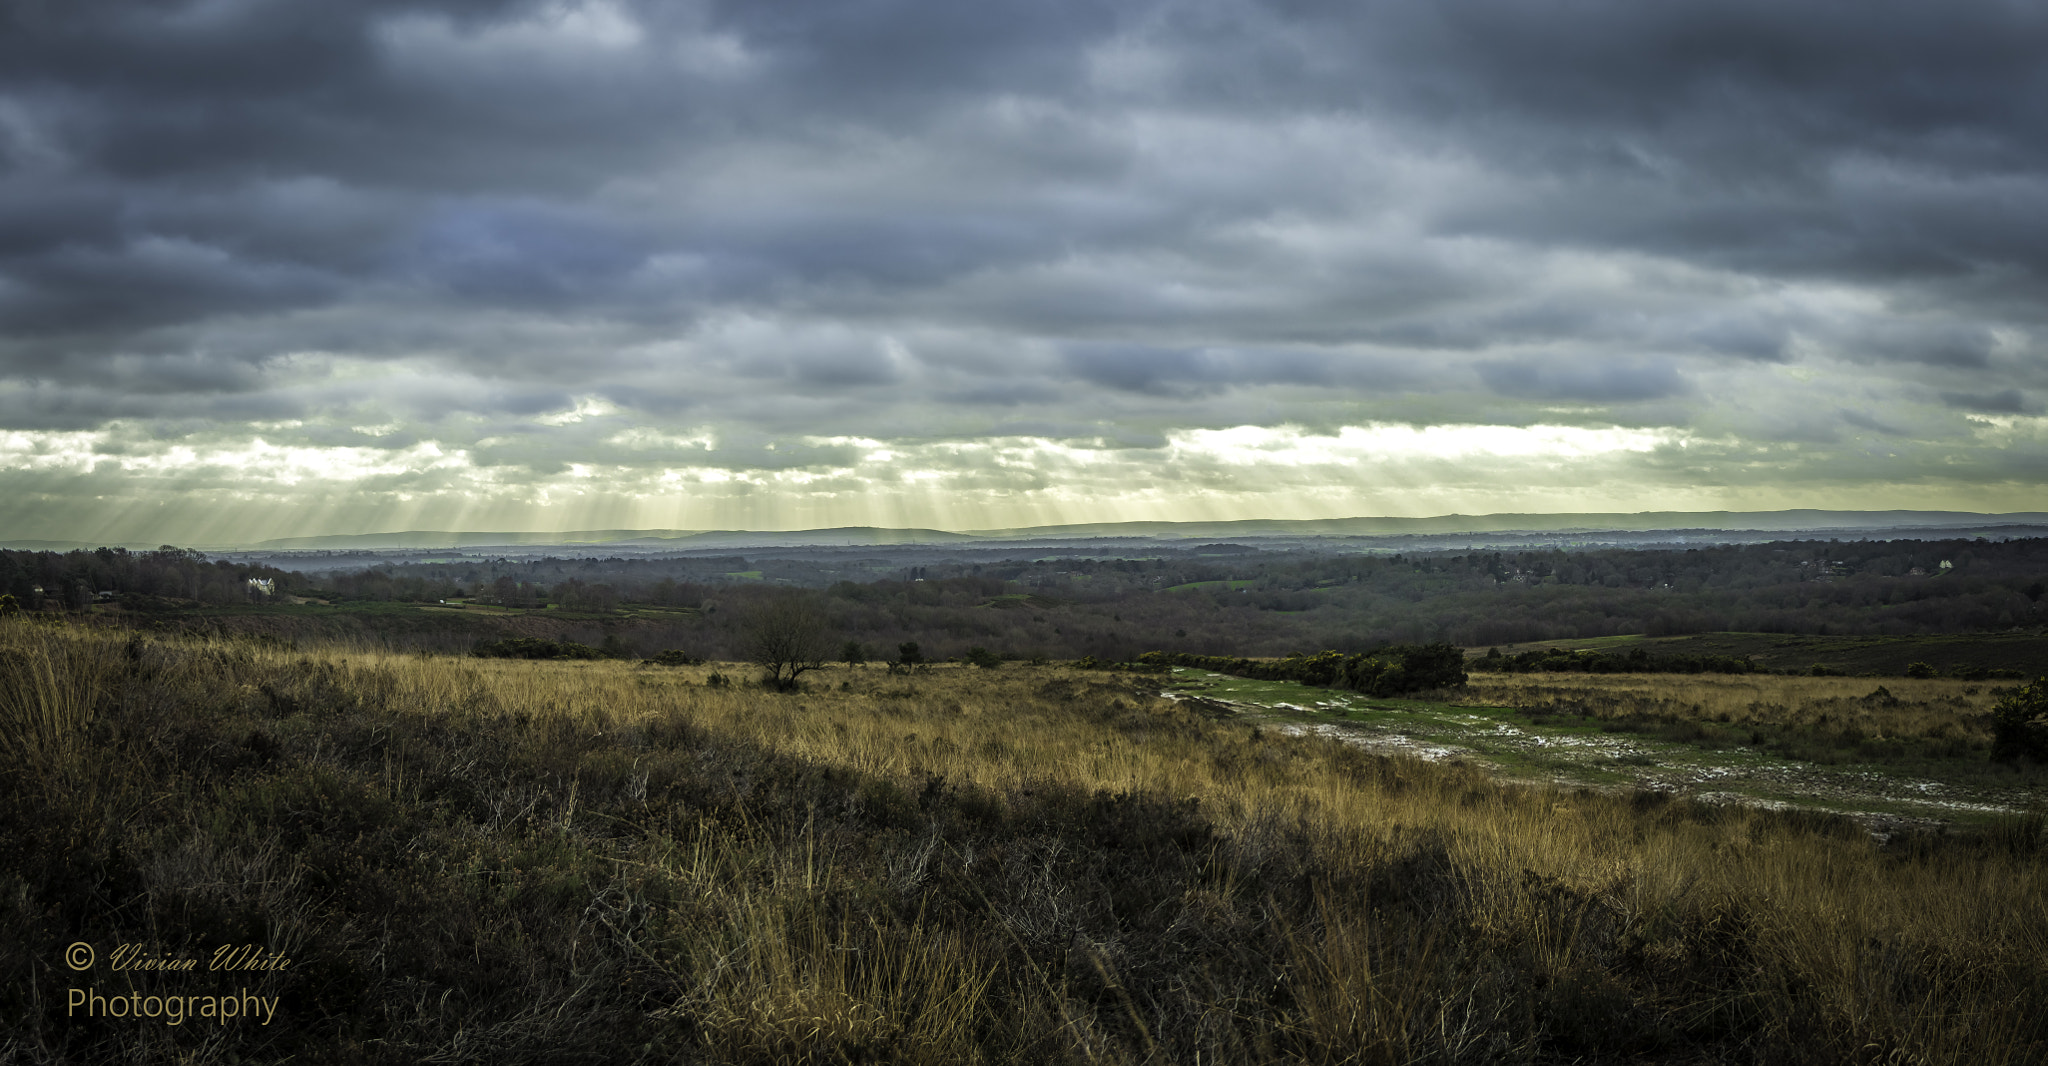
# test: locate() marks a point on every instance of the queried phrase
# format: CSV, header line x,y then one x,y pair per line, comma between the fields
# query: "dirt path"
x,y
1585,756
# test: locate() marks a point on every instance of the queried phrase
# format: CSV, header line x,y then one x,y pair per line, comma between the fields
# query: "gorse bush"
x,y
1390,671
1634,661
2019,722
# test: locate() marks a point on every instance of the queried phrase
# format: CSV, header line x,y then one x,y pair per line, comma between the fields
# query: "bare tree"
x,y
784,636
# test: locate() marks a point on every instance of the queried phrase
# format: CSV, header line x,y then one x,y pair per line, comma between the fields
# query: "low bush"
x,y
982,657
2019,723
1634,661
1390,671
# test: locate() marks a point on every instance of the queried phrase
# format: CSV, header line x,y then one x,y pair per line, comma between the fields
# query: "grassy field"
x,y
511,861
1893,753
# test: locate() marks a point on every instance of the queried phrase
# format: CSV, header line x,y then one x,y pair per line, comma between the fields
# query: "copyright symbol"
x,y
78,956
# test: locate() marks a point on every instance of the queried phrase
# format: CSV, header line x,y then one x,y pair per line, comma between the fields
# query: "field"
x,y
1894,754
1230,585
510,861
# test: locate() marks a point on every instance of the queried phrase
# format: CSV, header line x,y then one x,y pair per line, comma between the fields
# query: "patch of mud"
x,y
1384,743
1206,706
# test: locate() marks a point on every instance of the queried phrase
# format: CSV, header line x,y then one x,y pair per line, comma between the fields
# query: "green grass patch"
x,y
1234,583
1823,765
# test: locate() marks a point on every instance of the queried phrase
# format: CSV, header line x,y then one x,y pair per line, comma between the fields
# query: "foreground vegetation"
x,y
502,860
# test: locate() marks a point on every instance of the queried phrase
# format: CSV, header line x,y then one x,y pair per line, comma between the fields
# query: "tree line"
x,y
60,581
1223,602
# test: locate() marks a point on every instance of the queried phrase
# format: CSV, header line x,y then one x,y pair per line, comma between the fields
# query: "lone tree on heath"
x,y
908,658
784,637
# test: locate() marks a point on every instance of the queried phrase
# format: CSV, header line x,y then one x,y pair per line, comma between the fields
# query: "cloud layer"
x,y
269,269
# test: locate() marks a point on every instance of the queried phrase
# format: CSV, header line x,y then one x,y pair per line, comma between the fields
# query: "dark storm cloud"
x,y
1865,421
1740,90
518,254
1748,338
2004,401
904,217
1173,372
1954,345
1828,137
904,54
1576,380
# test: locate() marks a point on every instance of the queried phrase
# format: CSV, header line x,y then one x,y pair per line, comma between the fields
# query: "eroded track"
x,y
1587,755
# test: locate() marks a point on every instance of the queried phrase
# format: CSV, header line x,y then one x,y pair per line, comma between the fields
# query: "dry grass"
x,y
1818,719
1914,707
1021,865
49,688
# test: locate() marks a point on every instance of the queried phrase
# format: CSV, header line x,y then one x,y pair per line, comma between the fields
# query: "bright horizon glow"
x,y
262,491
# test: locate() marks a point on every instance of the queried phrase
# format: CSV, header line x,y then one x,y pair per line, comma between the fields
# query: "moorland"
x,y
618,855
531,861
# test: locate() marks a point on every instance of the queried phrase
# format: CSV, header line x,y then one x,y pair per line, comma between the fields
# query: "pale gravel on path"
x,y
1842,792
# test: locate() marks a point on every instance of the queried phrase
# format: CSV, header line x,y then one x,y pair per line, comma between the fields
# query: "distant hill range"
x,y
680,539
1679,523
1801,520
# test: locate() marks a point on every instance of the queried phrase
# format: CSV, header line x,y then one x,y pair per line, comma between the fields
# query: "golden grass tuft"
x,y
50,685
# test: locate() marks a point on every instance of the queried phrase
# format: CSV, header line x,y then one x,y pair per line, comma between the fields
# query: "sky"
x,y
276,268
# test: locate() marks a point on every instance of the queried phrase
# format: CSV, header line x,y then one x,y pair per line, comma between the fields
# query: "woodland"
x,y
1210,599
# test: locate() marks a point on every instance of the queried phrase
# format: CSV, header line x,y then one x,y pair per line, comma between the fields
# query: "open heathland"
x,y
1904,753
509,860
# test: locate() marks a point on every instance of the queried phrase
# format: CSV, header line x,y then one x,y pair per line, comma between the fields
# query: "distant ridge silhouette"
x,y
1799,520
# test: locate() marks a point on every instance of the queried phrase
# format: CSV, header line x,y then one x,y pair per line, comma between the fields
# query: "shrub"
x,y
2019,723
1634,661
1390,671
984,658
1919,670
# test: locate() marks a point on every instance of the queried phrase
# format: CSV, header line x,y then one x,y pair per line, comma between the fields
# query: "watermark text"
x,y
174,1010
